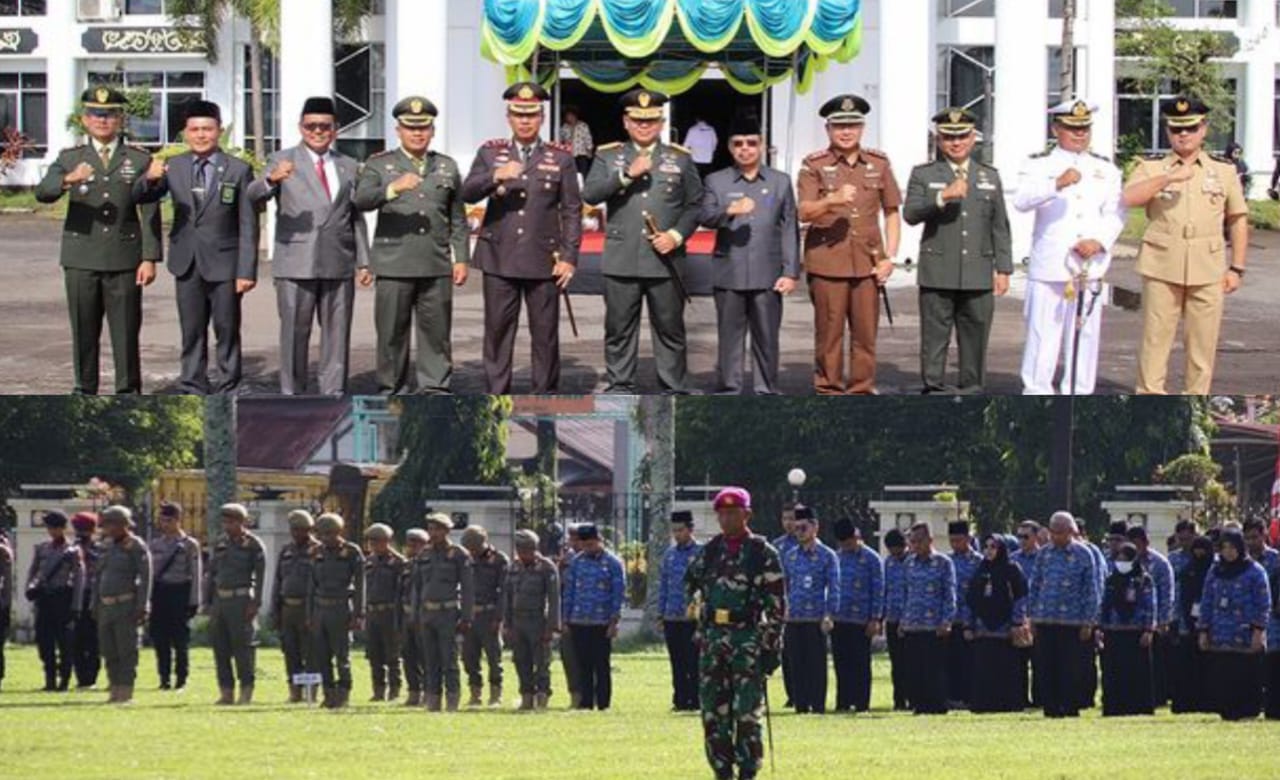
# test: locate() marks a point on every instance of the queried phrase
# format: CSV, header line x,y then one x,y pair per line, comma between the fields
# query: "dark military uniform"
x,y
6,597
421,235
489,572
175,597
289,609
234,587
411,652
335,596
55,585
122,590
384,579
532,616
671,193
84,629
966,243
106,236
443,597
740,590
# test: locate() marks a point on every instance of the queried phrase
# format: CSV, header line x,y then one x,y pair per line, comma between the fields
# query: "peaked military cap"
x,y
643,104
1074,113
234,510
103,98
525,97
955,122
1185,112
845,110
415,111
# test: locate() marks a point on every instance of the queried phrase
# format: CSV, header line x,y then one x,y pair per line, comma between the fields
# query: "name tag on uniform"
x,y
1195,610
937,185
669,168
986,186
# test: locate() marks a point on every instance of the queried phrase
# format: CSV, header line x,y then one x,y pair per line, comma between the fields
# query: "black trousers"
x,y
926,654
1236,682
808,658
202,303
739,312
1127,678
1273,682
851,656
623,298
997,675
502,298
1160,668
54,635
4,637
84,643
683,654
170,632
1028,680
959,662
1188,681
1088,674
897,667
593,648
1059,665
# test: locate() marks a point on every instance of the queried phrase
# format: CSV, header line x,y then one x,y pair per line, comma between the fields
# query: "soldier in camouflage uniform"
x,y
122,597
233,596
335,607
489,571
443,603
415,541
735,589
289,598
532,617
383,580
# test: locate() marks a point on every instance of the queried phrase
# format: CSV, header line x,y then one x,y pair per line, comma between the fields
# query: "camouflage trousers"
x,y
731,695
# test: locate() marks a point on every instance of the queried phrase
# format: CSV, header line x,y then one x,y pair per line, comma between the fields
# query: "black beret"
x,y
203,109
805,513
319,105
588,531
958,527
1119,528
845,529
894,538
682,517
55,518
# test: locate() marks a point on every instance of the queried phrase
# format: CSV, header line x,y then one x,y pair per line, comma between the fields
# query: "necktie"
x,y
525,151
324,178
201,188
105,153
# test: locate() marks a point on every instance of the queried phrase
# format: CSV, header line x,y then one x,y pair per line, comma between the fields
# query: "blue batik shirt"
x,y
861,586
594,586
1064,586
675,560
931,593
813,582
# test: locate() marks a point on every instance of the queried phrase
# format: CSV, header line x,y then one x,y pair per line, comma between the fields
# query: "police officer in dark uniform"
x,y
175,596
645,183
965,254
84,632
420,251
55,587
528,244
110,240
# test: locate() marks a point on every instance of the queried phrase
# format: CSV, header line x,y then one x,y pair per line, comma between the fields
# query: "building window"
x,y
1275,131
270,101
170,93
1138,116
966,79
1204,9
144,7
23,7
986,9
360,86
24,106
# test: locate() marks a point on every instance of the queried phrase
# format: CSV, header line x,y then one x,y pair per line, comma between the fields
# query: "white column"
x,y
908,57
62,58
1257,97
306,60
1100,79
1021,92
417,57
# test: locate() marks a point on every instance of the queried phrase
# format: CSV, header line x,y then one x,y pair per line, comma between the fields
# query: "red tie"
x,y
324,178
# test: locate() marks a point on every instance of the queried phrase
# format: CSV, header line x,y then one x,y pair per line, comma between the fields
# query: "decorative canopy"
x,y
666,45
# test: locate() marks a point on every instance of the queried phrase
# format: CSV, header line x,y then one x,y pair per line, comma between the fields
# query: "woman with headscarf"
x,y
997,596
1188,663
1232,628
1128,624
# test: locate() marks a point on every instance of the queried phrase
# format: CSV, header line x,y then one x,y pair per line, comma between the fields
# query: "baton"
x,y
651,230
768,724
568,302
888,309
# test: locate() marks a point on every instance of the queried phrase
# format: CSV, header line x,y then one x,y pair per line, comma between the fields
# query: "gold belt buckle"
x,y
722,617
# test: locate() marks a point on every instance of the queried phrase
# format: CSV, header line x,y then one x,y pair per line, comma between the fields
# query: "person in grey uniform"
x,y
233,597
175,597
531,618
122,592
415,541
383,580
335,607
489,571
55,587
757,257
444,604
289,598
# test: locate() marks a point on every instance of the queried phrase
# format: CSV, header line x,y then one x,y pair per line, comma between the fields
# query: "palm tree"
x,y
1067,86
219,458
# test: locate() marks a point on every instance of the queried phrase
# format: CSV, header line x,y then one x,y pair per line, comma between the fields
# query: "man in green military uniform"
x,y
734,589
122,595
489,572
965,255
415,541
420,251
444,603
335,607
233,597
383,580
653,194
532,618
289,598
110,240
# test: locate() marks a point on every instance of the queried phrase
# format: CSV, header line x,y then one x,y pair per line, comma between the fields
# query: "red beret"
x,y
85,520
732,497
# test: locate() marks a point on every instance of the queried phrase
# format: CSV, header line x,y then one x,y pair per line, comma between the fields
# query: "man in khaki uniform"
x,y
444,602
489,571
335,607
233,597
842,192
532,616
289,598
383,580
1189,197
415,541
122,593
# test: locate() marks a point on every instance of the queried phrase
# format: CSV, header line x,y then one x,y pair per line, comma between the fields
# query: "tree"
x,y
657,420
219,459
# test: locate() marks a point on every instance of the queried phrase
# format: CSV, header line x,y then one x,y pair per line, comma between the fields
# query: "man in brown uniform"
x,y
415,541
335,607
232,597
842,191
532,616
175,596
489,571
1189,197
289,598
122,593
383,580
444,602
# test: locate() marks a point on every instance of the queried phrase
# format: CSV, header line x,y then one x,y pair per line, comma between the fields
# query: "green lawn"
x,y
164,734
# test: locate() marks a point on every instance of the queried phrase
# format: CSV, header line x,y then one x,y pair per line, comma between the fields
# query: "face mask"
x,y
1124,567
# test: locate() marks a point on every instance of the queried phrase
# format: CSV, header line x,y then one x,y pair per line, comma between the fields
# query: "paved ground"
x,y
35,350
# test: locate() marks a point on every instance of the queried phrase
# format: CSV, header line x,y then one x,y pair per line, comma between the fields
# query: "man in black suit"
x,y
213,247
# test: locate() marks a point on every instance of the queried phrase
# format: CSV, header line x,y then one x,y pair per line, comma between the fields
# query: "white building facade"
x,y
999,57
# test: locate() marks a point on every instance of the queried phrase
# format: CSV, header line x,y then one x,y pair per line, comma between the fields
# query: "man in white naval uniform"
x,y
1077,197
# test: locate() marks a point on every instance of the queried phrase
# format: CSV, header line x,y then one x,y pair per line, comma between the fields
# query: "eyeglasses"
x,y
750,143
318,127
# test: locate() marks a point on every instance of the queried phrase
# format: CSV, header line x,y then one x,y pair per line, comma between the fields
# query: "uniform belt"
x,y
331,602
291,601
727,617
230,593
486,607
121,599
384,607
436,606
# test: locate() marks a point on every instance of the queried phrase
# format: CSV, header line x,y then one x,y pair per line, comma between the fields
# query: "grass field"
x,y
180,735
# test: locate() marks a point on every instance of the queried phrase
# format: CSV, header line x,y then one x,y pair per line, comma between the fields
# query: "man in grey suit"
x,y
757,257
213,247
320,239
965,256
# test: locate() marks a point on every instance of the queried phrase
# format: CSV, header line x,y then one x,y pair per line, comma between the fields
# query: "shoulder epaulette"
x,y
875,153
680,148
607,147
561,146
497,143
1102,157
1155,156
1041,154
1222,159
380,155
